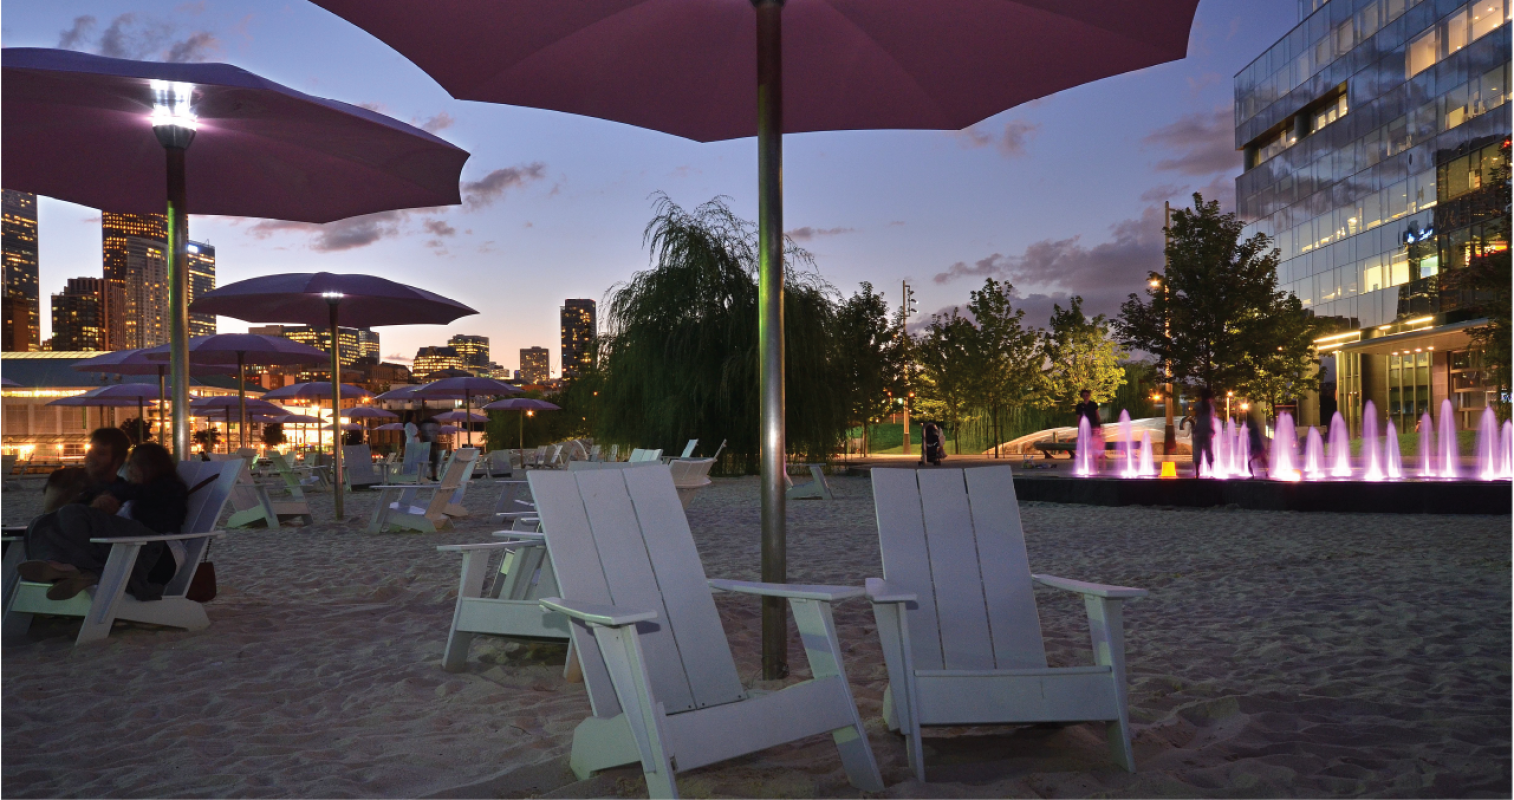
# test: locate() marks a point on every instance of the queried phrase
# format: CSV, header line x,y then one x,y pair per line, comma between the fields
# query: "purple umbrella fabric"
x,y
313,390
8,382
305,298
76,128
369,412
460,416
689,67
469,386
136,362
524,405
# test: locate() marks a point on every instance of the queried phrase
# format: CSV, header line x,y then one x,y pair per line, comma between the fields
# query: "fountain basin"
x,y
1347,496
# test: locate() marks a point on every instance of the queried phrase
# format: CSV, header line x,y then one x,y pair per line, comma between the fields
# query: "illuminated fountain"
x,y
1340,447
1314,455
1372,468
1284,450
1427,446
1084,466
1393,458
1243,449
1450,459
1147,467
1487,446
1508,449
1127,443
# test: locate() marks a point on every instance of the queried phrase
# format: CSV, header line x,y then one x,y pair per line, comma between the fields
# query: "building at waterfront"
x,y
202,279
433,359
135,260
1376,140
18,231
534,366
79,315
579,319
357,343
474,351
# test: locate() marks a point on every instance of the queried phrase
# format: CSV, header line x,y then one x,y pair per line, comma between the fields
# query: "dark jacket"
x,y
161,505
1089,409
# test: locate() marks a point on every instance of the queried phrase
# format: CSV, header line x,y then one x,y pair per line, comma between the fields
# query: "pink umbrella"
x,y
460,416
689,67
135,362
391,426
238,349
324,298
76,128
469,385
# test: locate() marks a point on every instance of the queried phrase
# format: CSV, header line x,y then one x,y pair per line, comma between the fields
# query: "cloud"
x,y
439,227
483,192
1204,142
346,234
138,36
1166,191
377,108
895,224
807,233
438,122
1010,142
685,171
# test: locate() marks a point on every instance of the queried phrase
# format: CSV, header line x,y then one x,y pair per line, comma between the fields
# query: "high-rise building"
x,y
202,279
1376,141
79,315
473,349
22,308
136,260
578,327
534,367
432,359
357,343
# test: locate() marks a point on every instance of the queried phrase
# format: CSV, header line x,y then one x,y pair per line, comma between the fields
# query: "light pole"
x,y
906,309
174,124
1169,433
1228,395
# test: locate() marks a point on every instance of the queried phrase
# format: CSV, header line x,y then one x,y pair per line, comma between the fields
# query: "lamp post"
x,y
1169,433
174,124
1228,395
333,300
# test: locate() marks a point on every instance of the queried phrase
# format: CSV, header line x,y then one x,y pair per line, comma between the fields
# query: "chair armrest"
x,y
608,616
167,537
532,536
1094,589
464,548
792,591
881,591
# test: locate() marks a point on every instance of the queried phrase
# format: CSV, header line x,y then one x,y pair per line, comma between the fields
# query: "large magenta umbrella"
x,y
225,404
469,385
113,396
318,390
326,298
525,405
715,69
239,349
136,362
104,132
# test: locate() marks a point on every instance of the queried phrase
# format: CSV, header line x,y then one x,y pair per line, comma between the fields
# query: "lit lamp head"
x,y
173,119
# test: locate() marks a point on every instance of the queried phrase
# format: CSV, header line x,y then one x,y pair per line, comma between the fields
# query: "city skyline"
x,y
556,208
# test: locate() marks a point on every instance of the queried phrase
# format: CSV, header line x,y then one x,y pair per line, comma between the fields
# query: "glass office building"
x,y
1372,135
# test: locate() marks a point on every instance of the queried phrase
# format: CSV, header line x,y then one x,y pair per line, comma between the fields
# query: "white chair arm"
x,y
532,536
167,537
464,548
608,616
792,591
1095,589
881,591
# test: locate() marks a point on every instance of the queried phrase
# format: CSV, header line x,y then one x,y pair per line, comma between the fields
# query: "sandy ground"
x,y
1278,655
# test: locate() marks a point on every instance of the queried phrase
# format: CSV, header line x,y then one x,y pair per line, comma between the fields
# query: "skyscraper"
x,y
357,343
578,328
136,262
432,359
79,315
534,367
1375,134
473,349
22,310
202,279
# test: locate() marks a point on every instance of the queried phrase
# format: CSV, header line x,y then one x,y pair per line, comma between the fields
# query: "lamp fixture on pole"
x,y
174,123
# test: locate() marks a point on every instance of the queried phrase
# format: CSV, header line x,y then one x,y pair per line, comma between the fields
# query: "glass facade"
x,y
533,365
1371,134
21,331
79,316
579,319
202,279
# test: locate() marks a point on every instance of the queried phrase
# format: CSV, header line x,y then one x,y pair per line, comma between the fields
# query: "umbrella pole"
x,y
162,393
336,407
770,329
141,420
175,145
523,435
468,415
241,399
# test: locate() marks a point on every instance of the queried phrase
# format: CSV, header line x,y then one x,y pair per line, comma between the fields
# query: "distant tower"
x,y
473,349
433,359
533,365
202,279
578,326
79,315
136,262
357,343
22,303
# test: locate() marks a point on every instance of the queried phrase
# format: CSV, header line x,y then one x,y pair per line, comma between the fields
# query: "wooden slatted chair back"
x,y
207,501
357,466
688,449
692,473
459,465
619,537
416,453
953,537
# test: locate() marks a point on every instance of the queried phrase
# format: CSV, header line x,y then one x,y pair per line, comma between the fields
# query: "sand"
x,y
1278,655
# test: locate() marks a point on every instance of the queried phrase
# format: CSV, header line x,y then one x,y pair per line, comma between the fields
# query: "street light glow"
x,y
170,105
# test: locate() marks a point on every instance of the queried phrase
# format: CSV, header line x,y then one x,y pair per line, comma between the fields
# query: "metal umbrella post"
x,y
334,299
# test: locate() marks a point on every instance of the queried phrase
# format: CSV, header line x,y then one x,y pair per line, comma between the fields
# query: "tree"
x,y
948,353
208,438
680,352
135,429
1230,326
869,356
273,434
1008,355
1486,281
1081,355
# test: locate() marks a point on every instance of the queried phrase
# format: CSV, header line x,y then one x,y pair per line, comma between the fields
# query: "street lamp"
x,y
1228,395
174,124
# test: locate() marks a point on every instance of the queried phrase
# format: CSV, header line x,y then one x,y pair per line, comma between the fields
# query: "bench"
x,y
1047,448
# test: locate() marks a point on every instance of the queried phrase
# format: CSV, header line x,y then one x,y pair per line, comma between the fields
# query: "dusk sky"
x,y
1060,196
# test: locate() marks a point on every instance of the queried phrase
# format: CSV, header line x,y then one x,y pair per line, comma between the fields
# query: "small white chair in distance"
x,y
956,611
662,683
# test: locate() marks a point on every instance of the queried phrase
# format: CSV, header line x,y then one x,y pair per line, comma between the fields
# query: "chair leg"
x,y
470,586
633,688
107,596
1106,626
900,701
817,629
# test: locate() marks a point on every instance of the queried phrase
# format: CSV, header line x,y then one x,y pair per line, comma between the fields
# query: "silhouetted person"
x,y
1203,433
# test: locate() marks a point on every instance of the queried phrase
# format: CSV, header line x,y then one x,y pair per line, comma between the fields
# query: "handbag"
x,y
202,587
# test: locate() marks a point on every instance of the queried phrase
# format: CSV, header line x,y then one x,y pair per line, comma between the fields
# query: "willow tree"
x,y
679,357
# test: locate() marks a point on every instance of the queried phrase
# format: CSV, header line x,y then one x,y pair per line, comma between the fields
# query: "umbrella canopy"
x,y
449,429
228,402
521,404
314,390
369,412
460,416
8,382
136,362
347,426
76,128
318,298
98,398
449,372
470,385
298,419
391,426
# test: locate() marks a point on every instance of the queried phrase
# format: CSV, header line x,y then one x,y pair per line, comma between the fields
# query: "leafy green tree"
x,y
1081,354
869,356
680,353
135,429
948,353
1007,355
273,434
1230,326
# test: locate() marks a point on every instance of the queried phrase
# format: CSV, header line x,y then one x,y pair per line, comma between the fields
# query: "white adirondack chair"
x,y
690,476
817,487
956,612
641,454
497,464
411,468
394,508
357,467
515,503
251,504
455,507
211,483
614,453
510,605
293,504
688,449
662,683
594,453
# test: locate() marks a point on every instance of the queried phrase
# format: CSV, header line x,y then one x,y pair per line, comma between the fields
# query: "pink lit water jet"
x,y
1450,457
1284,459
1243,449
1127,443
1427,447
1083,467
1340,447
1314,455
1372,468
1487,446
1508,449
1147,467
1220,469
1393,457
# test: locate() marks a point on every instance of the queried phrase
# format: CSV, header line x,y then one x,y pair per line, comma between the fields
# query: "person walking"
x,y
1203,433
1088,409
935,445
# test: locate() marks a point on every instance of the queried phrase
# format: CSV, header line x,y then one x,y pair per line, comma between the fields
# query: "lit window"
x,y
1422,52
